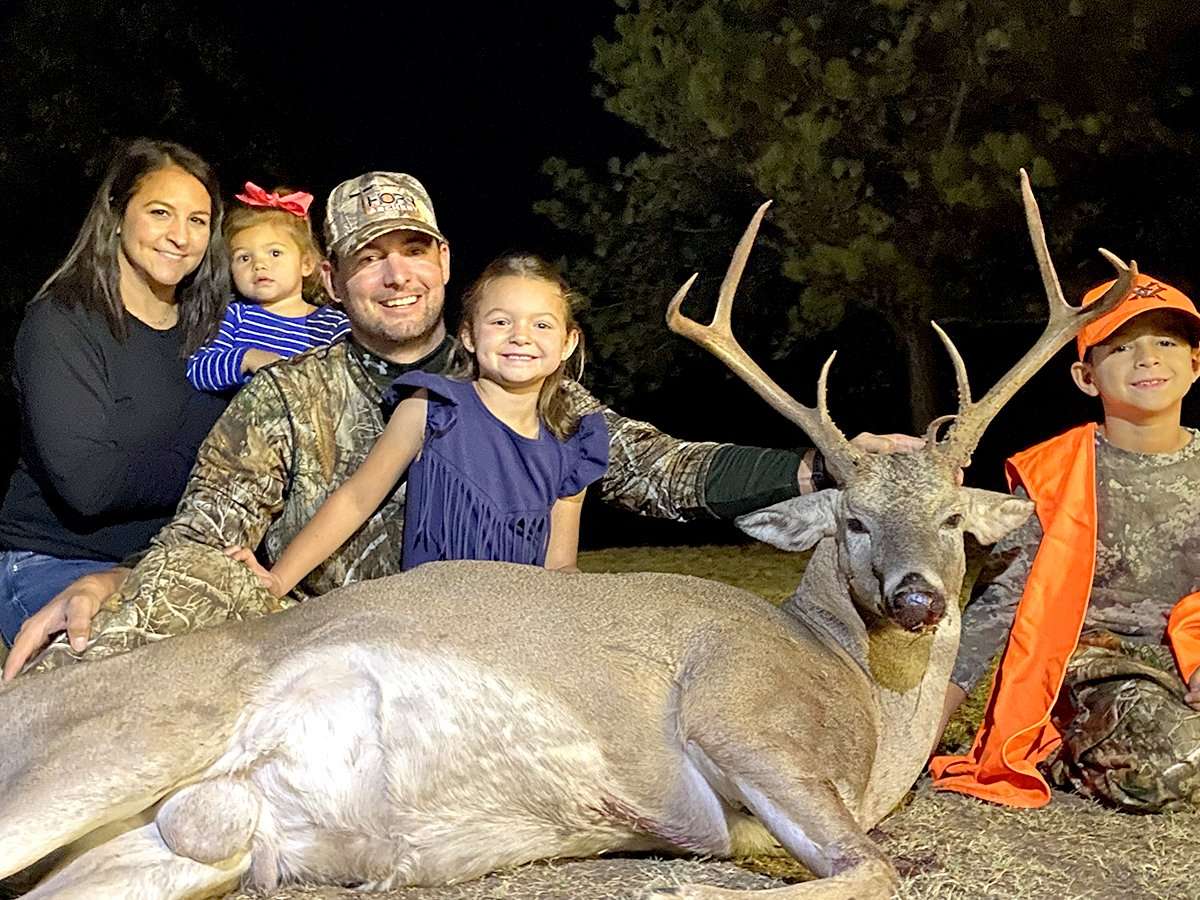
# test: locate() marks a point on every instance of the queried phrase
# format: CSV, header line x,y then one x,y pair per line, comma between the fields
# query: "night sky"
x,y
470,98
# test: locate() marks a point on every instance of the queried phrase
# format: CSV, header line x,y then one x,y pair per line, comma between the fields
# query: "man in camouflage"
x,y
296,432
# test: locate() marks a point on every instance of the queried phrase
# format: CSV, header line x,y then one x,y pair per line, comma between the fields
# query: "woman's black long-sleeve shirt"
x,y
109,433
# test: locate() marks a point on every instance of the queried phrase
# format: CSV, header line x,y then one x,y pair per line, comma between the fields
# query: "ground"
x,y
947,847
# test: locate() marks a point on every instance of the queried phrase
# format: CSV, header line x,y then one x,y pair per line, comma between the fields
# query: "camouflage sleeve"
x,y
989,615
237,485
185,581
649,473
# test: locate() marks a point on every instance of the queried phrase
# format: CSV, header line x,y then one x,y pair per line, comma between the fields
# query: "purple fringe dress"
x,y
481,491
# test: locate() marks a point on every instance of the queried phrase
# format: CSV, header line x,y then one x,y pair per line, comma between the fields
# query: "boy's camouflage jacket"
x,y
287,440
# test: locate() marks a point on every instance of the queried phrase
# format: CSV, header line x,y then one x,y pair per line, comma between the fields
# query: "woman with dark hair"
x,y
109,423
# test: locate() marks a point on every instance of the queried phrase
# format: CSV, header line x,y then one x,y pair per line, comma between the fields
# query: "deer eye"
x,y
953,521
855,526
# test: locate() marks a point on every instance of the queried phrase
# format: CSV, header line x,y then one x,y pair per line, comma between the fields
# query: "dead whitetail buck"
x,y
461,717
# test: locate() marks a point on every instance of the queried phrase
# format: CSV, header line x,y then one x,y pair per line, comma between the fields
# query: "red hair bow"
x,y
297,204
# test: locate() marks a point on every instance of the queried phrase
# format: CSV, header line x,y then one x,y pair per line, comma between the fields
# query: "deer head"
x,y
897,519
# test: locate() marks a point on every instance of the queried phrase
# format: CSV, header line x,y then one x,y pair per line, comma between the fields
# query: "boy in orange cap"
x,y
1100,680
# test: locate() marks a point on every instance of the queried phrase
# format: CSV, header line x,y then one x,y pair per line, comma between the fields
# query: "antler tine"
x,y
931,430
1037,235
717,338
723,317
823,404
1065,322
960,367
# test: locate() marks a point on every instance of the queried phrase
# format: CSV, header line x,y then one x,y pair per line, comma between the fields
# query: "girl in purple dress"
x,y
497,462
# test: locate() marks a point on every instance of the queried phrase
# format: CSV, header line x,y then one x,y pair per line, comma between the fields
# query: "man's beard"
x,y
403,334
387,339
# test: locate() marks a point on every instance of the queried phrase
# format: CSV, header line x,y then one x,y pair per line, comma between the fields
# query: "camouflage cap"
x,y
363,208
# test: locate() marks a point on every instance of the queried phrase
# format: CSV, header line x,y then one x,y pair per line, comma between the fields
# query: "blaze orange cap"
x,y
1146,295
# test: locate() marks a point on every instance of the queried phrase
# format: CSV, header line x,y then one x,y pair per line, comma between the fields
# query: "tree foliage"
x,y
888,133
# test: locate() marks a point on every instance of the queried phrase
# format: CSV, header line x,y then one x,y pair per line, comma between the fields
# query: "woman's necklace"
x,y
165,317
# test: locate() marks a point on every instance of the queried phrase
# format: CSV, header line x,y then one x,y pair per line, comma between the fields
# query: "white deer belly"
x,y
389,770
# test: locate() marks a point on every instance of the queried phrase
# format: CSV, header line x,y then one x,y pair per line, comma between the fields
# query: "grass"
x,y
764,570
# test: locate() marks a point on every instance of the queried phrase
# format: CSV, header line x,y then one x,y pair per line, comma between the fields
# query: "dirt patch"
x,y
953,847
590,879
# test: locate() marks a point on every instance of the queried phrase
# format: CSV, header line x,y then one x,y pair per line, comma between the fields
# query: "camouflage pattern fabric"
x,y
1129,740
1147,556
287,440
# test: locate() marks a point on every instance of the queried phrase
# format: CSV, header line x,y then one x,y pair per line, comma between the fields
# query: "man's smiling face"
x,y
393,289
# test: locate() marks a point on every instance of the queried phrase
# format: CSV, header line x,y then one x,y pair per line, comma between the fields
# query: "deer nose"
x,y
914,604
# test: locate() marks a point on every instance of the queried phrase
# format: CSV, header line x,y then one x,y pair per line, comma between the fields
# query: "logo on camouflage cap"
x,y
363,208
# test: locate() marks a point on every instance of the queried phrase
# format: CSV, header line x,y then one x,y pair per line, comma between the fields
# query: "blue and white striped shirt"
x,y
217,366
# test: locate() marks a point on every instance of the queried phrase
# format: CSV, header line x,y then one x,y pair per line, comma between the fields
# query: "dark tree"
x,y
80,75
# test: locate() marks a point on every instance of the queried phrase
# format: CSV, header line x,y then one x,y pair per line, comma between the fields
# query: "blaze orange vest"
x,y
1016,732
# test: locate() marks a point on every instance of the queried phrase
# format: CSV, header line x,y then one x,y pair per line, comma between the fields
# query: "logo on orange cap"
x,y
1153,289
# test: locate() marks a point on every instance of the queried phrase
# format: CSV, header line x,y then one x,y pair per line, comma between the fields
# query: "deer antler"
x,y
717,337
1065,322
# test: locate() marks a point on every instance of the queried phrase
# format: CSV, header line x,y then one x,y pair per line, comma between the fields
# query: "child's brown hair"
x,y
553,407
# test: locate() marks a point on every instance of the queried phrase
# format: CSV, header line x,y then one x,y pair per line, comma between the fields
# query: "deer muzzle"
x,y
914,604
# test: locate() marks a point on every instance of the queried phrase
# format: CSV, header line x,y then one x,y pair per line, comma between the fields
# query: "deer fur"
x,y
465,716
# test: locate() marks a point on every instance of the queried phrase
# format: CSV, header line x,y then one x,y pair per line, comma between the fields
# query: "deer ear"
x,y
991,515
795,524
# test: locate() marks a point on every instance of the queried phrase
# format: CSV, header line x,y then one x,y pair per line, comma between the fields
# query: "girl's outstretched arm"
x,y
346,509
563,548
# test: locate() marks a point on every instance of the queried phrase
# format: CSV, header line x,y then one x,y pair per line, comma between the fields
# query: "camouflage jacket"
x,y
1147,555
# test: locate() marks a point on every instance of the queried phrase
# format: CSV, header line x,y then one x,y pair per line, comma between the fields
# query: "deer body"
x,y
428,728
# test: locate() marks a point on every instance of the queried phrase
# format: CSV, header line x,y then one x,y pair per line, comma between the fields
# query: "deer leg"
x,y
139,864
806,815
209,822
197,846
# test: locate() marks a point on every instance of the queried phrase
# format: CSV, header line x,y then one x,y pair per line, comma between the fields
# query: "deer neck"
x,y
909,674
822,604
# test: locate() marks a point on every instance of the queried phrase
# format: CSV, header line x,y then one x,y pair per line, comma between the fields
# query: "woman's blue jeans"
x,y
28,581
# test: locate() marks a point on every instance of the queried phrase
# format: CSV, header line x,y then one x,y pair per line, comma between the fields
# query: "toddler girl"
x,y
274,261
497,463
